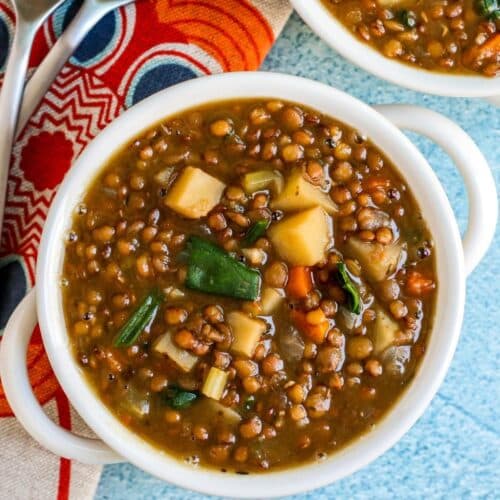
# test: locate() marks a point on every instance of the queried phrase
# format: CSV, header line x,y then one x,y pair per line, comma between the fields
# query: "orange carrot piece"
x,y
488,50
299,282
417,284
491,47
315,333
316,316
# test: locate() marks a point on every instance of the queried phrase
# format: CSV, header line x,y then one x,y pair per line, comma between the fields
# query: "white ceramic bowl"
x,y
118,442
334,33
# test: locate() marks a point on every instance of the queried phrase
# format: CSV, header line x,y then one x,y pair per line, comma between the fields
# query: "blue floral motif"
x,y
158,78
13,286
99,41
4,42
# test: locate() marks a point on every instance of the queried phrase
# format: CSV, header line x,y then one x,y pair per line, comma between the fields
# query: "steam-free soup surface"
x,y
460,37
249,285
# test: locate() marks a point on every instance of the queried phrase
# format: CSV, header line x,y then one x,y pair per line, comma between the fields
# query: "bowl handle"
x,y
16,385
479,182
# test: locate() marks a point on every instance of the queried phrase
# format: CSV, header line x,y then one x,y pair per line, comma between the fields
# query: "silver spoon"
x,y
30,14
88,15
27,23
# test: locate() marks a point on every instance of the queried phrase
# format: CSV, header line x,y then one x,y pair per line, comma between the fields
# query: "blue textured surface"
x,y
453,450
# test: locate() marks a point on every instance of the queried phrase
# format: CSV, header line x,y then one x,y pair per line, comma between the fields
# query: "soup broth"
x,y
249,285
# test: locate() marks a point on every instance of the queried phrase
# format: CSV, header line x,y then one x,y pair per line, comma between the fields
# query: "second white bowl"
x,y
334,33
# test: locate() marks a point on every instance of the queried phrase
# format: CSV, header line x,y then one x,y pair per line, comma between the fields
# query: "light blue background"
x,y
453,450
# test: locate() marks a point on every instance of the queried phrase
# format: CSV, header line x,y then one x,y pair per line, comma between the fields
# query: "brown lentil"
x,y
251,427
359,347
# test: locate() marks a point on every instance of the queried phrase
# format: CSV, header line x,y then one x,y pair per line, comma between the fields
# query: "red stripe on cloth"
x,y
65,464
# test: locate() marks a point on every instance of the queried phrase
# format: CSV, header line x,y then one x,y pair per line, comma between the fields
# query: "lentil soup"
x,y
461,36
249,285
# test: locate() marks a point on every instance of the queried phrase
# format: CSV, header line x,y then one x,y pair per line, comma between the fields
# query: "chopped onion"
x,y
371,219
350,319
163,176
136,403
291,345
395,359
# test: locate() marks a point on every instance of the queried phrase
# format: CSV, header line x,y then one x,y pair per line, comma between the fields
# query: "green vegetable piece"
x,y
139,319
407,18
183,400
489,8
177,398
249,403
255,232
353,298
213,270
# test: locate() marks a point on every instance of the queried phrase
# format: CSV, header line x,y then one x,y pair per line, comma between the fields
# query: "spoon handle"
x,y
10,99
88,15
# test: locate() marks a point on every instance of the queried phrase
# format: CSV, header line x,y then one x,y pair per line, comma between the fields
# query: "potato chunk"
x,y
194,193
385,330
301,239
377,260
184,359
271,298
299,194
216,413
247,332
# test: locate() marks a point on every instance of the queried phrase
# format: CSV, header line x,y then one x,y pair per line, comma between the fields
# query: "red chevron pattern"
x,y
80,102
73,112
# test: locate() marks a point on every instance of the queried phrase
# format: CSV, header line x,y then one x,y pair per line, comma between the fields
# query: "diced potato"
x,y
377,260
263,179
184,359
300,194
216,413
194,193
385,330
214,384
271,298
247,332
301,239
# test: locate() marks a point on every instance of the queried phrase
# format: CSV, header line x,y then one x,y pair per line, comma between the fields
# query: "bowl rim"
x,y
316,15
451,289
